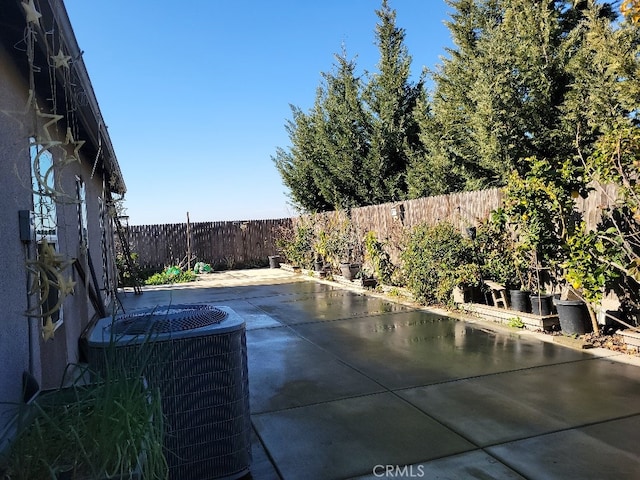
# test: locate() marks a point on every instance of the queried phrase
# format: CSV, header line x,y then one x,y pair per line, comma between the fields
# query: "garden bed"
x,y
506,316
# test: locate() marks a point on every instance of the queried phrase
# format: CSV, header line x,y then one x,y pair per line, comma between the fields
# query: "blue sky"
x,y
196,93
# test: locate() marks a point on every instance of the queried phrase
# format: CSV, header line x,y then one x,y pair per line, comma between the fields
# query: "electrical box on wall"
x,y
27,225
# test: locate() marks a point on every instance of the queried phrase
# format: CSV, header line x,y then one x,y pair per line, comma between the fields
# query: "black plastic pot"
x,y
274,261
349,270
520,300
573,317
542,304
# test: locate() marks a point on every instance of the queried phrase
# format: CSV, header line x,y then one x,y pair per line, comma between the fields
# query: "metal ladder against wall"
x,y
126,251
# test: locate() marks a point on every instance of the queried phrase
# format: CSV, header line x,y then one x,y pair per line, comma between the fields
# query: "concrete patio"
x,y
347,385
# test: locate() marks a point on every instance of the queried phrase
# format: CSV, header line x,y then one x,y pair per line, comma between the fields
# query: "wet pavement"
x,y
347,385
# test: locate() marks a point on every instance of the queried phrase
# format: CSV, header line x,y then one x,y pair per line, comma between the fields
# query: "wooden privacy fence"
x,y
393,221
250,243
226,244
461,209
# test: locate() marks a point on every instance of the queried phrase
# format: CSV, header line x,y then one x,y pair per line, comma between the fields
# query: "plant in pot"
x,y
607,258
541,212
334,240
495,248
321,249
367,278
350,270
590,256
465,278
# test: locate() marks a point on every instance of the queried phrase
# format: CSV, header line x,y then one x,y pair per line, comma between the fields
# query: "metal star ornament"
x,y
77,145
61,60
48,329
33,15
52,120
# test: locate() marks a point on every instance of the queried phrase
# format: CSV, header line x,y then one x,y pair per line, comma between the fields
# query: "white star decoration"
x,y
48,330
77,145
61,60
33,15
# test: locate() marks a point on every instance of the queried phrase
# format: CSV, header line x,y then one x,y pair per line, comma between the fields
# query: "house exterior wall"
x,y
14,196
22,345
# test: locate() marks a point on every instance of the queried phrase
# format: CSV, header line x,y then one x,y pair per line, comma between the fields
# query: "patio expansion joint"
x,y
266,451
565,429
493,374
324,402
344,319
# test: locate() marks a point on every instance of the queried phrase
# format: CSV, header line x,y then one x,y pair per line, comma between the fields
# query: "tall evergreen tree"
x,y
355,146
498,97
392,99
450,138
343,136
298,166
323,167
605,72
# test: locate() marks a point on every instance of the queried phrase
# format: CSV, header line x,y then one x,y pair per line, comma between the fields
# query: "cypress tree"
x,y
392,99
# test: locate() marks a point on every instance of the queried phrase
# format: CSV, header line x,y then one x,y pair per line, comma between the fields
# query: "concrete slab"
x,y
413,348
607,450
287,371
330,305
347,438
535,401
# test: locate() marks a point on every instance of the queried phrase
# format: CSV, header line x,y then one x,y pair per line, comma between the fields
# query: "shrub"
x,y
379,258
496,251
171,275
296,244
438,258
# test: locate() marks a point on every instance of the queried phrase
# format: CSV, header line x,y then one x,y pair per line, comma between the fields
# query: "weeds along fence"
x,y
224,245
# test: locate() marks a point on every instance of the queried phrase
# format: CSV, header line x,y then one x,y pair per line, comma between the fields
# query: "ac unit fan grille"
x,y
174,318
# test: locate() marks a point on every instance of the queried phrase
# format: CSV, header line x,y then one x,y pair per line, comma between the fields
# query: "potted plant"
x,y
496,253
274,261
377,258
589,273
349,270
367,278
111,428
540,210
465,278
296,244
541,303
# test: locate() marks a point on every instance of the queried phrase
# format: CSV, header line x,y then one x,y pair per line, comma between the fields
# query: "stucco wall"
x,y
14,196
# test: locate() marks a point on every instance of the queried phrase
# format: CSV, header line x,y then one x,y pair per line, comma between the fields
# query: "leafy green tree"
x,y
448,135
605,103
